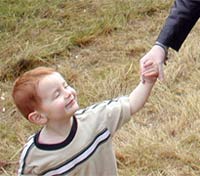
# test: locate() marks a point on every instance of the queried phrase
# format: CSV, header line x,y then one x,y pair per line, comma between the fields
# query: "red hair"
x,y
24,91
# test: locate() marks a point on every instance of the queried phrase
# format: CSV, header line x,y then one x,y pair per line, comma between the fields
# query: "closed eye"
x,y
56,94
66,86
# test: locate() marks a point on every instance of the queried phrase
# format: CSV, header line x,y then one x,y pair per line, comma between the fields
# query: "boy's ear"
x,y
37,118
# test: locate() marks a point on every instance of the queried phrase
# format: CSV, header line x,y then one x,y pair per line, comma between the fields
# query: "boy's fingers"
x,y
150,68
147,63
151,74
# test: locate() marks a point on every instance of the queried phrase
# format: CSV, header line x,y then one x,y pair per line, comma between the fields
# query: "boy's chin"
x,y
73,109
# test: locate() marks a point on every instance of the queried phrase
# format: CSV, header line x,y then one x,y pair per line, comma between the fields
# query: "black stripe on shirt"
x,y
60,145
73,159
24,159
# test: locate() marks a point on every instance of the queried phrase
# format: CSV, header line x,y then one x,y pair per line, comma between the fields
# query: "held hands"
x,y
149,71
151,65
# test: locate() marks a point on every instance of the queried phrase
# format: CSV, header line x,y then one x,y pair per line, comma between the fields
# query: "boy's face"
x,y
59,100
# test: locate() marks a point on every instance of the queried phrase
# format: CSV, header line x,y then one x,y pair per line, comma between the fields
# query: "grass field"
x,y
97,45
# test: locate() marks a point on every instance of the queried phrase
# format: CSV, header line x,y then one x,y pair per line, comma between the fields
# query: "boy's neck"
x,y
56,132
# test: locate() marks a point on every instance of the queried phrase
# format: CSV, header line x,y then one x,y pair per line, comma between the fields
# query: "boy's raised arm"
x,y
140,94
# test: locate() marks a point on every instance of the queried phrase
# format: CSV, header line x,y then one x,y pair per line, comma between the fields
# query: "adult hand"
x,y
151,73
156,54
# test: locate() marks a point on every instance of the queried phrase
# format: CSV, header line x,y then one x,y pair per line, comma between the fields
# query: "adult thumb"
x,y
161,72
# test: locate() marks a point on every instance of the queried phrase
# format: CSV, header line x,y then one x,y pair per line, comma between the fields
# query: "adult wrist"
x,y
165,48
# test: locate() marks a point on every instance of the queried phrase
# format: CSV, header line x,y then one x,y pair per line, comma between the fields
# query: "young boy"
x,y
71,141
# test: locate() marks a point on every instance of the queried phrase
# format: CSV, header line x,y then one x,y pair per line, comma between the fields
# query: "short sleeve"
x,y
109,114
118,113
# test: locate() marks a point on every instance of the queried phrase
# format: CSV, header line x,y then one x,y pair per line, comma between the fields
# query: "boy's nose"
x,y
67,93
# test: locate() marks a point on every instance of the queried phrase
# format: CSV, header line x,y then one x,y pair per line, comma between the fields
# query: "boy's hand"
x,y
157,55
149,71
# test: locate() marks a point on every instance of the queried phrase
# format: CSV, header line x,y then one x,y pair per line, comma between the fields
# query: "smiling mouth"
x,y
71,103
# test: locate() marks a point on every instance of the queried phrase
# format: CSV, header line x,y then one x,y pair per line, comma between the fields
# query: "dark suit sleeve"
x,y
183,16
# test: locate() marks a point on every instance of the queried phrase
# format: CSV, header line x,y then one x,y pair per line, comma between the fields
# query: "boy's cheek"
x,y
60,106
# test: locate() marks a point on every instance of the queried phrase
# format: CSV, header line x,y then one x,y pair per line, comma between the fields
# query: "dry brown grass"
x,y
97,46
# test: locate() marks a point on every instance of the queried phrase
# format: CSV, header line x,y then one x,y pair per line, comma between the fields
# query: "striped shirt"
x,y
87,151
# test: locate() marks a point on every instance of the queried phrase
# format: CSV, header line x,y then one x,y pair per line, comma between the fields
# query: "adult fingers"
x,y
161,72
